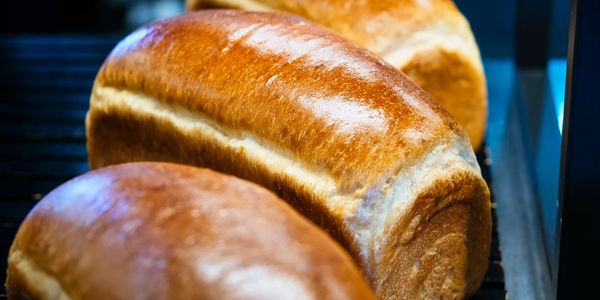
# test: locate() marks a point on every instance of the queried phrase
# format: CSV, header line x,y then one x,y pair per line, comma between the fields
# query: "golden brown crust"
x,y
426,31
292,84
165,231
341,135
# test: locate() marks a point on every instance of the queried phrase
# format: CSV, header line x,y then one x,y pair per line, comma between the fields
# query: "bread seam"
x,y
36,277
106,97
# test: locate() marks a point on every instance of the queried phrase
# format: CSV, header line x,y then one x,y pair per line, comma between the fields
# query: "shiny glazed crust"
x,y
341,135
166,231
429,40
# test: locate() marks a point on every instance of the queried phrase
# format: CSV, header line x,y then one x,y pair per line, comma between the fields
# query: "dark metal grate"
x,y
493,283
45,83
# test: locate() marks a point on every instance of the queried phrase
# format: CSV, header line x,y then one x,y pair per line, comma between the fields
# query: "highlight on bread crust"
x,y
341,135
430,41
166,231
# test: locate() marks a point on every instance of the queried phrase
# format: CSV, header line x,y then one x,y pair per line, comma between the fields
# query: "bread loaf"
x,y
344,137
166,231
430,41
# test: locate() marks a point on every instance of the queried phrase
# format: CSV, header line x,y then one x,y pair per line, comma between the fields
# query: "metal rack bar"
x,y
579,186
